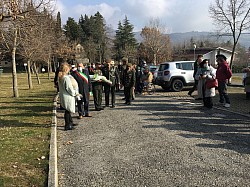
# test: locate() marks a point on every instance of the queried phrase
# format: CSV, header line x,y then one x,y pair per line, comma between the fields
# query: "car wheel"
x,y
177,85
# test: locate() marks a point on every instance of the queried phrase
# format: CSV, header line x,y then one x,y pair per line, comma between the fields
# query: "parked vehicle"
x,y
175,75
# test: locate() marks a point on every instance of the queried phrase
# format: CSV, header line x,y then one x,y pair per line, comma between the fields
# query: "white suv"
x,y
175,75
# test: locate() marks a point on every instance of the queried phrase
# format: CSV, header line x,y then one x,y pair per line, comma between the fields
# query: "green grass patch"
x,y
25,131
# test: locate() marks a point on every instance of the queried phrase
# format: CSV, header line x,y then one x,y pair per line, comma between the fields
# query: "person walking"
x,y
97,87
68,89
81,75
205,73
196,65
128,83
111,73
223,74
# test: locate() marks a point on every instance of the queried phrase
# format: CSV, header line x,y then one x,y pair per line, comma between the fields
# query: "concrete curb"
x,y
53,172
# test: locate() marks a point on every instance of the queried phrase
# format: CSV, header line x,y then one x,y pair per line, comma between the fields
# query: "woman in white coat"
x,y
68,89
204,73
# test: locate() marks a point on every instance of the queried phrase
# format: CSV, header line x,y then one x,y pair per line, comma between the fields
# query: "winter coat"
x,y
68,89
223,72
247,81
84,86
111,74
210,74
129,78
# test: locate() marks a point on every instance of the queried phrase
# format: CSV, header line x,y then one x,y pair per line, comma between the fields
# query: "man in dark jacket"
x,y
223,74
196,65
128,82
111,73
81,75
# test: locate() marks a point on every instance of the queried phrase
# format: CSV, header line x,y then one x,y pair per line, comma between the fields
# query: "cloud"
x,y
112,15
150,8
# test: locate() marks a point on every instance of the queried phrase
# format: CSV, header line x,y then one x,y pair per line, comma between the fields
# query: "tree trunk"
x,y
49,68
14,74
29,75
155,59
37,75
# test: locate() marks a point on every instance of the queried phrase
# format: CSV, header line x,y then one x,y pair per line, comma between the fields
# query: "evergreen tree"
x,y
72,30
58,26
125,43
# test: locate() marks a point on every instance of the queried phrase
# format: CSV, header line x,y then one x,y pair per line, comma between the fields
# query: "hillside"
x,y
181,37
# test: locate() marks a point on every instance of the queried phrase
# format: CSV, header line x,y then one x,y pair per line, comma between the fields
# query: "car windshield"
x,y
163,67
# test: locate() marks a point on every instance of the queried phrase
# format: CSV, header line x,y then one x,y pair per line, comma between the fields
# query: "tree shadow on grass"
x,y
17,123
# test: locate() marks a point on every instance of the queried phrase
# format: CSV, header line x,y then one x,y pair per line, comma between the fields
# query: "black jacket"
x,y
84,87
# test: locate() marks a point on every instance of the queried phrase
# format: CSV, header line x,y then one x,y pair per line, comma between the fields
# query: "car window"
x,y
187,66
178,66
163,67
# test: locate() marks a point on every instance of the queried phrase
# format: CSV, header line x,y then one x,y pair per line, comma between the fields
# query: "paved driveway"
x,y
160,140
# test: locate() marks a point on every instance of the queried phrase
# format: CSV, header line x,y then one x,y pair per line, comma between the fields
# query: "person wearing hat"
x,y
111,73
97,88
223,74
81,75
128,83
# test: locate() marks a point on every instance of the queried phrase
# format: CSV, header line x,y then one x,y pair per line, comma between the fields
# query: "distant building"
x,y
208,53
219,50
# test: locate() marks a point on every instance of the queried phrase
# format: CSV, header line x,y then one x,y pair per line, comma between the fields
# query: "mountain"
x,y
180,38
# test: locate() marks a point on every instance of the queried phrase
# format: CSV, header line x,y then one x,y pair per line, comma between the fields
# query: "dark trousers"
x,y
128,94
222,89
107,91
83,106
97,94
139,87
194,87
68,119
207,101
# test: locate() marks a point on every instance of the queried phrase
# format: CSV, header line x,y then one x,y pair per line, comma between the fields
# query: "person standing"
x,y
81,75
246,82
97,87
223,74
123,69
128,83
196,65
68,89
205,73
111,73
139,73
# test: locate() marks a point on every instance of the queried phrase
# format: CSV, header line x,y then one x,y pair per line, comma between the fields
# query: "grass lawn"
x,y
25,131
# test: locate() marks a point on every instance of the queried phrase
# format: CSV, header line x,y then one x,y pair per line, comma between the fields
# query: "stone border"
x,y
53,171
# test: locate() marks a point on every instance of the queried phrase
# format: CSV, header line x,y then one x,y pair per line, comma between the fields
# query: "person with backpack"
x,y
223,74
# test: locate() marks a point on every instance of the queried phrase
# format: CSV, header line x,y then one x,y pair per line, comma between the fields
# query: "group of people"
x,y
208,78
75,84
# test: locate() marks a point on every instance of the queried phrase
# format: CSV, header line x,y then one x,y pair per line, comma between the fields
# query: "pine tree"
x,y
72,30
125,43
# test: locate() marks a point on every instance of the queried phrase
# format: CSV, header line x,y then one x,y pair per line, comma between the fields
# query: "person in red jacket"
x,y
223,74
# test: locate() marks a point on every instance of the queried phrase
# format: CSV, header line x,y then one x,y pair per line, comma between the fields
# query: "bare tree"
x,y
231,16
12,13
155,39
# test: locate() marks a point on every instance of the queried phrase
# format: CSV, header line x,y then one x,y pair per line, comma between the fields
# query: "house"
x,y
219,50
207,52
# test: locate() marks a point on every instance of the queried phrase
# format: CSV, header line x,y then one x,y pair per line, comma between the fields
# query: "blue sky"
x,y
175,15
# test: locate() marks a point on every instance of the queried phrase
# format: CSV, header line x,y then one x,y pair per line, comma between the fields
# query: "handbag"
x,y
211,83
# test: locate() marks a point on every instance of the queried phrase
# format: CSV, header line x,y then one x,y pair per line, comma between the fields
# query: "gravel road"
x,y
159,140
